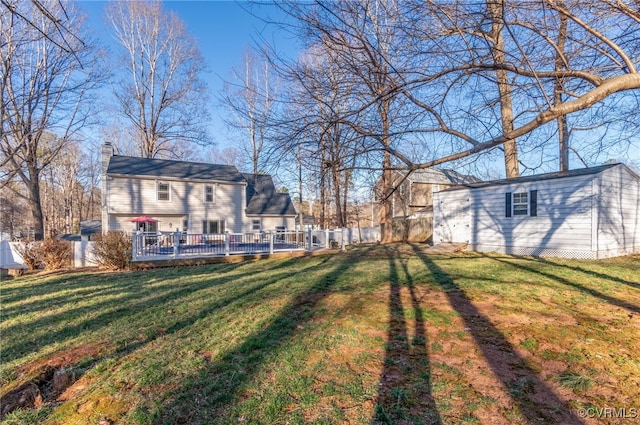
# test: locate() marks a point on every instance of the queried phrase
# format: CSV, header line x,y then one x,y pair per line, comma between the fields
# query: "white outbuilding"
x,y
586,213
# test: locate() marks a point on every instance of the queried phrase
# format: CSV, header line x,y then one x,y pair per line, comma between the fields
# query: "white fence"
x,y
159,246
10,258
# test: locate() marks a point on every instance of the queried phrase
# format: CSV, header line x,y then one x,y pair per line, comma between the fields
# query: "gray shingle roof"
x,y
262,197
164,168
538,177
440,176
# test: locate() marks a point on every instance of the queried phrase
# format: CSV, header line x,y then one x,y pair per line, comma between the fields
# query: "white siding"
x,y
562,226
618,213
132,197
452,216
269,223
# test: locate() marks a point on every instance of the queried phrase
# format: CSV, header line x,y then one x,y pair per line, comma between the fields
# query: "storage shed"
x,y
586,213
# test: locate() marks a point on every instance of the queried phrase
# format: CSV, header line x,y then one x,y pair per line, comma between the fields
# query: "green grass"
x,y
381,334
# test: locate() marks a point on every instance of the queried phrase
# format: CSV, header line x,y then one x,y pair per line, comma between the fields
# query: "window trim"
x,y
520,206
213,193
206,228
531,204
162,192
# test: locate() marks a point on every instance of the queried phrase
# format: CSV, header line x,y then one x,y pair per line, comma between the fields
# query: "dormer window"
x,y
163,190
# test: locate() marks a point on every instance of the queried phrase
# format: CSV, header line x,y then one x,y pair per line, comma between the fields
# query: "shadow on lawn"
x,y
590,291
592,273
404,391
536,401
110,310
211,394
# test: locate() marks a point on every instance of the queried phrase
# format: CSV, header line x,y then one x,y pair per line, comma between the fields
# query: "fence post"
x,y
134,245
176,243
310,240
326,239
271,236
226,243
342,238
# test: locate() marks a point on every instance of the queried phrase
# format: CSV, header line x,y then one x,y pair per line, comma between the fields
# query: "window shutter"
x,y
507,205
533,203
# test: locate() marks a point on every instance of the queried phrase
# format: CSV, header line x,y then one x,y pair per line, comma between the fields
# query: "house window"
x,y
213,226
255,225
185,225
209,194
280,228
150,227
163,190
521,203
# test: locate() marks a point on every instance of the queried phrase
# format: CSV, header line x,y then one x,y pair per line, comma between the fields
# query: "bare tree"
x,y
69,190
250,97
228,155
45,94
599,60
160,93
363,43
33,18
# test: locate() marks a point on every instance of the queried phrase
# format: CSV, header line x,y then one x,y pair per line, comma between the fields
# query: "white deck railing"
x,y
156,246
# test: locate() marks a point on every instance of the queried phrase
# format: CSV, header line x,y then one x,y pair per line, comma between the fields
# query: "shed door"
x,y
455,220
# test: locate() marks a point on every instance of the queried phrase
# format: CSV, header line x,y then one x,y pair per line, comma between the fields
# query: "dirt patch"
x,y
47,379
63,359
29,395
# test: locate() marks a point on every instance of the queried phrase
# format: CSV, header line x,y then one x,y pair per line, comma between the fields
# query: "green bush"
x,y
112,250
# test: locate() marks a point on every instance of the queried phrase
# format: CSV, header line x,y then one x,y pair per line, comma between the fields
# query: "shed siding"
x,y
563,221
618,214
139,196
452,216
562,226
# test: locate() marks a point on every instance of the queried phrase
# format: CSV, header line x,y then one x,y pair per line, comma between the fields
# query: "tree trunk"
x,y
496,10
558,90
386,209
33,190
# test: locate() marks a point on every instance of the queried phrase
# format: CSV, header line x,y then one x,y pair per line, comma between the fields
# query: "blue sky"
x,y
223,29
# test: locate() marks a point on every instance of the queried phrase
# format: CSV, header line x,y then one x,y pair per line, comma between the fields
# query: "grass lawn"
x,y
383,334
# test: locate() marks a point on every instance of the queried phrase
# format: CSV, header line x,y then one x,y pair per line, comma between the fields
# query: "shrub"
x,y
56,253
112,250
31,253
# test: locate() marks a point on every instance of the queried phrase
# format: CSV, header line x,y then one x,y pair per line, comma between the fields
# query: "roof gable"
x,y
262,197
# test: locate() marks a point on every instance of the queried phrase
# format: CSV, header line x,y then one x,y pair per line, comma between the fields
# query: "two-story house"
x,y
192,197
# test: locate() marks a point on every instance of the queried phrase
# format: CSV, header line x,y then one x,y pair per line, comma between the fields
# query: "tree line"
x,y
379,85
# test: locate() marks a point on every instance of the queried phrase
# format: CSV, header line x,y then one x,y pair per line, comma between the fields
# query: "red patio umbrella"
x,y
143,219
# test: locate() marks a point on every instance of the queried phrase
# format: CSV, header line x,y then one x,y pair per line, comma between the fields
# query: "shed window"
x,y
521,203
163,190
209,194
